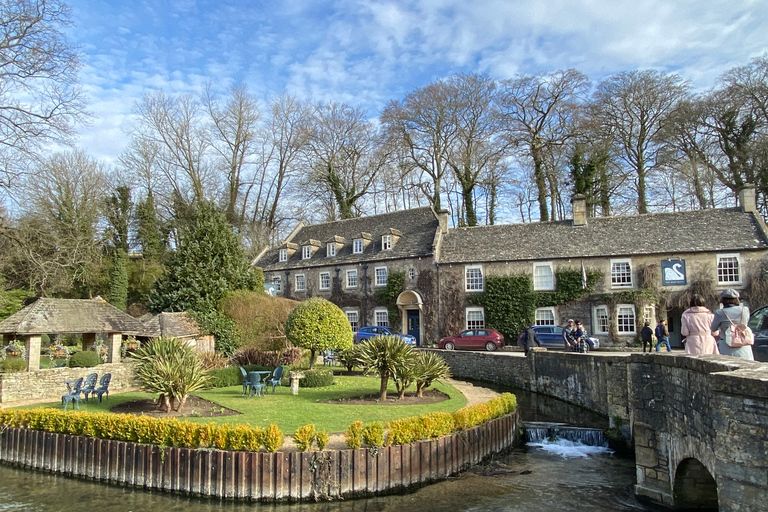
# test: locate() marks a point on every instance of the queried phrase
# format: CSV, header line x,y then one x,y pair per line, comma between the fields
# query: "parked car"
x,y
365,333
758,322
551,336
473,339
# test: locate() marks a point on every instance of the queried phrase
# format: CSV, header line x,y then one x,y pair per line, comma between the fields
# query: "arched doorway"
x,y
410,305
695,489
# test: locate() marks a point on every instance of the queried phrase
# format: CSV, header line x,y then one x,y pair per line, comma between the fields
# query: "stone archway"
x,y
695,488
410,304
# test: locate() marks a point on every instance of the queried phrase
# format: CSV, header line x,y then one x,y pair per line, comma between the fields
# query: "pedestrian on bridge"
x,y
695,326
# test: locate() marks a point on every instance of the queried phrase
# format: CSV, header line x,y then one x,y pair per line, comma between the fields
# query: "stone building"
x,y
646,264
177,325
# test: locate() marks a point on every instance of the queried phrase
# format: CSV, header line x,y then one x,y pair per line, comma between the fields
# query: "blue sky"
x,y
367,52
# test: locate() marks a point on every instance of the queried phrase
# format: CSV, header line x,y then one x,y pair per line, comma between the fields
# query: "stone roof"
x,y
655,233
60,316
417,227
176,325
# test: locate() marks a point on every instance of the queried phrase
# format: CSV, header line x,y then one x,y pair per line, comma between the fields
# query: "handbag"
x,y
739,335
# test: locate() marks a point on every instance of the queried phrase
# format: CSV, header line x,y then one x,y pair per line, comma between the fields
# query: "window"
x,y
625,318
386,242
543,276
475,318
382,317
601,320
278,282
301,284
381,276
621,273
357,246
351,278
353,319
330,249
325,280
649,314
473,278
728,269
306,252
283,254
545,316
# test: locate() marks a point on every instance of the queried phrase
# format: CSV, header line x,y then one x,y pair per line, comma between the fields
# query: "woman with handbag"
x,y
694,325
731,313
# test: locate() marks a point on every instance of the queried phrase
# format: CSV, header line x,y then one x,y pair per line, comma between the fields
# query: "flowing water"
x,y
546,474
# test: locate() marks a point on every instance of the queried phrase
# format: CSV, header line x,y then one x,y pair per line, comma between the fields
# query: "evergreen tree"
x,y
118,214
148,230
118,280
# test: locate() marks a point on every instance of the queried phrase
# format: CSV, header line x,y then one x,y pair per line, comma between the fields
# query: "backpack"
x,y
739,335
659,332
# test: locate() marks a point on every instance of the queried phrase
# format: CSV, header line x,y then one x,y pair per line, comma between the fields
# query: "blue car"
x,y
551,336
372,331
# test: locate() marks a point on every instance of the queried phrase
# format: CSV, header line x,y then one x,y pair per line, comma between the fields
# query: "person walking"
x,y
695,326
568,334
529,339
662,335
732,311
646,335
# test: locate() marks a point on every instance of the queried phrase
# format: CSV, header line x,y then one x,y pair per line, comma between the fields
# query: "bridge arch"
x,y
695,487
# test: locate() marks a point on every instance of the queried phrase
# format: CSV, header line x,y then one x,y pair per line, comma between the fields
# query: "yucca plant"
x,y
384,356
427,368
170,367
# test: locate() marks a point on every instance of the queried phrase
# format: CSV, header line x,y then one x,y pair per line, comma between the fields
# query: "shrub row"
x,y
146,430
316,379
271,358
13,364
304,436
231,375
428,426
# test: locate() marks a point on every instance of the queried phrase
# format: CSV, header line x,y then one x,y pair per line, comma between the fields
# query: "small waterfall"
x,y
538,432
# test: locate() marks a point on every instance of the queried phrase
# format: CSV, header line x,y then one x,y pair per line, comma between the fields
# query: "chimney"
x,y
442,218
747,198
579,202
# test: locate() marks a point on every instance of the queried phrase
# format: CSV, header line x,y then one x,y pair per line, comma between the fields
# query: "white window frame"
x,y
539,316
347,274
599,319
303,286
278,282
283,255
327,275
619,330
377,281
474,322
470,283
353,317
547,287
631,283
330,250
649,314
740,264
306,252
357,246
381,317
386,242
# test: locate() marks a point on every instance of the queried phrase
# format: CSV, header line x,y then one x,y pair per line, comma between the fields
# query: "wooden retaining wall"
x,y
280,476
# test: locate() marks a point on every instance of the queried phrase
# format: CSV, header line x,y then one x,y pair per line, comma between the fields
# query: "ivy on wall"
x,y
388,295
510,301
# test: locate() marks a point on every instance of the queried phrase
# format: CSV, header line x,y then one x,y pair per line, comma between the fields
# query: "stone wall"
x,y
48,384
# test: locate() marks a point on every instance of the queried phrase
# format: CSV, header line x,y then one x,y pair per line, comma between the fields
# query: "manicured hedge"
x,y
84,359
316,379
146,429
13,364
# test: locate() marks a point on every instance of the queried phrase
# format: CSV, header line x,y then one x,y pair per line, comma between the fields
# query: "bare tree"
x,y
632,106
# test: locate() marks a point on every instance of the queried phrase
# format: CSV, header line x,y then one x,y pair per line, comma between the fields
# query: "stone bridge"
x,y
699,424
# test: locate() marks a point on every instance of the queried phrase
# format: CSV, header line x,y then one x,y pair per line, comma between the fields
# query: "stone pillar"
x,y
89,338
33,352
579,203
114,340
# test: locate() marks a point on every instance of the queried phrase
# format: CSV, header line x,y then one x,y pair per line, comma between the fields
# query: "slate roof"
x,y
662,233
53,316
177,325
417,227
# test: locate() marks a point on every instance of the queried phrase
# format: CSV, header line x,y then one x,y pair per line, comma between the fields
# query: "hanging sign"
x,y
673,273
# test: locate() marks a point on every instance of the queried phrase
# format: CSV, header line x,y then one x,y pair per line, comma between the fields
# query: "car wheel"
x,y
586,348
490,346
449,346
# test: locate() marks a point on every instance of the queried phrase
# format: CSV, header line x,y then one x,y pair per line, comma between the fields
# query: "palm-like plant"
x,y
429,367
384,356
170,367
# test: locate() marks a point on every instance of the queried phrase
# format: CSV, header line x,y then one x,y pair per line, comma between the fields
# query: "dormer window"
x,y
386,242
283,254
306,252
357,246
330,249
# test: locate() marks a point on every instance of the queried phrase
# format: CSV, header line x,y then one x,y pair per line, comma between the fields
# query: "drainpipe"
x,y
336,285
365,292
437,279
287,284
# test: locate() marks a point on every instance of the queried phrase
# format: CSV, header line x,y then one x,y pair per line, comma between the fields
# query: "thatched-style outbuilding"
x,y
69,316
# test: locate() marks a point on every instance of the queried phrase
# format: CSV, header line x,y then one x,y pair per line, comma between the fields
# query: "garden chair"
x,y
245,380
276,378
89,385
75,387
103,386
329,357
254,384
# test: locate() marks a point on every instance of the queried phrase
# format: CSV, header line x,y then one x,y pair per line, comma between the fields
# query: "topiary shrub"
x,y
316,379
13,364
353,436
303,437
322,438
317,324
373,434
84,359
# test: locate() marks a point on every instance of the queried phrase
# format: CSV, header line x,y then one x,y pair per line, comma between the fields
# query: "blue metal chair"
x,y
103,386
89,385
276,378
245,380
329,357
254,384
75,387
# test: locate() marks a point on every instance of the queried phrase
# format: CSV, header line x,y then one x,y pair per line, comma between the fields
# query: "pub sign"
x,y
673,273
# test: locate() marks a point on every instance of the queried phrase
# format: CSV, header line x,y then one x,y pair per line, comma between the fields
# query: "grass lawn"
x,y
290,412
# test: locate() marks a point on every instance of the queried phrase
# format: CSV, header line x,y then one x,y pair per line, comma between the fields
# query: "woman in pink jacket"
x,y
695,327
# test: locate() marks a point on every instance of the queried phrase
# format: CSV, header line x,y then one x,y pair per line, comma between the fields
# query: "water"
x,y
553,476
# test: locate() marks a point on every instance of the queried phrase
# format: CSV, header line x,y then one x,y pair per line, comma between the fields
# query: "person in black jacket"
x,y
646,334
529,339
